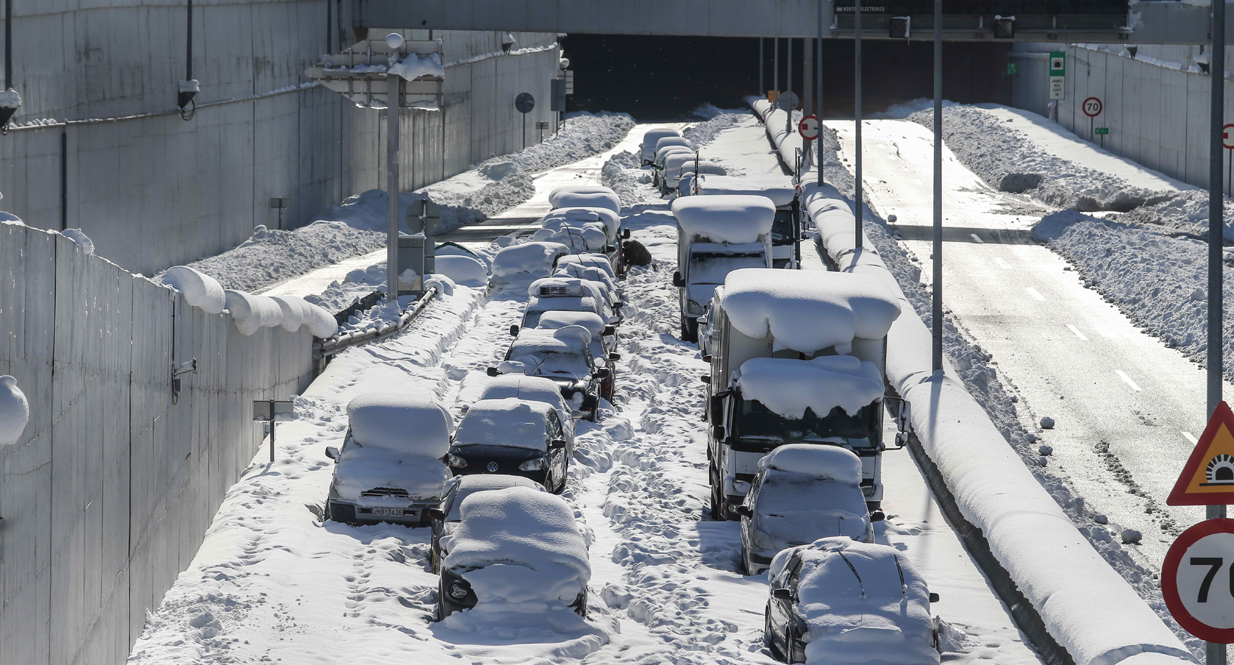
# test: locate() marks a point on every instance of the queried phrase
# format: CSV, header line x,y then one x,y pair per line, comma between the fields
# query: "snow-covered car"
x,y
390,467
515,549
647,149
802,493
515,437
603,341
596,261
562,355
585,272
842,602
525,262
447,516
561,218
578,236
531,388
569,294
662,155
672,170
693,168
584,196
671,141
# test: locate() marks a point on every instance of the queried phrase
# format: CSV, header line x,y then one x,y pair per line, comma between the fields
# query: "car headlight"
x,y
456,461
532,464
694,308
761,541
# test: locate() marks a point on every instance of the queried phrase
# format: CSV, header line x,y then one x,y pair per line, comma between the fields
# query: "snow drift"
x,y
252,313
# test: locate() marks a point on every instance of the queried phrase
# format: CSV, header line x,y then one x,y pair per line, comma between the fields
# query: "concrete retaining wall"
x,y
99,144
109,492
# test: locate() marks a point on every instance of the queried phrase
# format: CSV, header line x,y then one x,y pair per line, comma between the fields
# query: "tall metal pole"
x,y
1215,653
858,208
8,43
938,186
188,59
820,143
788,84
775,63
394,94
761,67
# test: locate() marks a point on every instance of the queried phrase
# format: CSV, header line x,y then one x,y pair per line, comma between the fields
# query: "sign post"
x,y
1092,108
1058,74
524,103
265,410
1102,131
1227,140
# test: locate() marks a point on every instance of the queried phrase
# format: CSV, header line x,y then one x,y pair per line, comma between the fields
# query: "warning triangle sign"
x,y
1208,477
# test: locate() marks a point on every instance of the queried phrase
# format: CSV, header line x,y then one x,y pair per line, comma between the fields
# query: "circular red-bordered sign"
x,y
1227,136
1197,580
1092,107
808,127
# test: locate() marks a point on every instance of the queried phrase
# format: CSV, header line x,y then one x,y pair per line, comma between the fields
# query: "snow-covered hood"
x,y
701,294
364,468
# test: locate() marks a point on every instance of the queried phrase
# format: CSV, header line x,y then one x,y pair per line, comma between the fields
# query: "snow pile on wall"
x,y
409,422
251,313
867,616
14,411
199,289
526,547
77,236
363,468
529,258
809,311
788,387
729,219
515,423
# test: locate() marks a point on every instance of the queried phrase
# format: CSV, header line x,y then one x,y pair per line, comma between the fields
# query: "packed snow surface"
x,y
856,606
788,387
809,311
520,547
585,196
82,240
823,462
199,289
14,411
725,219
779,190
529,258
408,421
362,468
512,422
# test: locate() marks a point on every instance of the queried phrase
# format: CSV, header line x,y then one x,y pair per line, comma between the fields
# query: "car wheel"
x,y
717,496
433,562
794,651
769,634
689,329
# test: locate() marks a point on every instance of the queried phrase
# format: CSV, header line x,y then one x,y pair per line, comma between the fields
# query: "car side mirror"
x,y
332,453
514,331
933,597
625,234
436,514
678,280
600,373
782,594
743,510
878,516
706,378
608,331
707,358
556,444
717,410
717,432
492,371
614,356
578,415
618,305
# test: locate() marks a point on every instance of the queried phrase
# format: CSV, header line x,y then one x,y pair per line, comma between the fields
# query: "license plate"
x,y
388,512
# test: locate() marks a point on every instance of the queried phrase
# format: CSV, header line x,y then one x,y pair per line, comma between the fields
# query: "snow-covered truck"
x,y
796,357
786,230
715,236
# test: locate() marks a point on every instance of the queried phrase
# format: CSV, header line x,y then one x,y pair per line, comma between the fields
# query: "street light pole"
x,y
394,93
858,209
820,143
937,311
1214,652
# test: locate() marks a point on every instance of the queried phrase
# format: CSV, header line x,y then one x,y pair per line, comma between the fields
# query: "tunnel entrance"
x,y
667,78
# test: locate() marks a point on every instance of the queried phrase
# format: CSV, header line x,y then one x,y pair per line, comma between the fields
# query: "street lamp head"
x,y
564,63
394,40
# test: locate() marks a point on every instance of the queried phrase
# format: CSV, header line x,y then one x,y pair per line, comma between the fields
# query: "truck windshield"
x,y
782,228
712,268
755,421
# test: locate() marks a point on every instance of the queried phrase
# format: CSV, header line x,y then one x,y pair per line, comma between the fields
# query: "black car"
x,y
564,356
513,437
446,517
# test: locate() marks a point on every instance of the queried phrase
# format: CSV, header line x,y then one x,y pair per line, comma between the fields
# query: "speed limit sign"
x,y
1092,107
1197,580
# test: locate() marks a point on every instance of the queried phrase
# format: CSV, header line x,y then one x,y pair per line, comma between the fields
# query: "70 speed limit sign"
x,y
1197,580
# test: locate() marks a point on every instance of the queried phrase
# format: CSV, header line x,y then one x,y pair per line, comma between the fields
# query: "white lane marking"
x,y
1003,264
1190,437
1123,375
1077,332
977,238
1033,292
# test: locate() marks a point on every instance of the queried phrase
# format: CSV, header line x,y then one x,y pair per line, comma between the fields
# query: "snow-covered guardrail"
x,y
1028,546
330,346
780,130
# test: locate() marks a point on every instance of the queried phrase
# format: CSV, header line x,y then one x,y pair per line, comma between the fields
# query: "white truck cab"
x,y
786,230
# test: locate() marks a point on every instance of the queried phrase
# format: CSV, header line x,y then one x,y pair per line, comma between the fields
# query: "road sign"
x,y
1058,63
808,127
524,102
1058,87
1101,131
1013,69
787,101
1227,136
1208,477
569,82
1092,107
1197,580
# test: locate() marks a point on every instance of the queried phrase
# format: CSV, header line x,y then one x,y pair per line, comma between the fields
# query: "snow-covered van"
x,y
647,150
716,235
390,467
796,357
786,230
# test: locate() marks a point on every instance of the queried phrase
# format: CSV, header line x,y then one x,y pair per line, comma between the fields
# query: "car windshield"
x,y
782,228
571,364
712,268
755,421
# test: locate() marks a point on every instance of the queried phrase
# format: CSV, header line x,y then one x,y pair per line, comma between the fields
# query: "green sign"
x,y
1012,68
1058,63
1102,130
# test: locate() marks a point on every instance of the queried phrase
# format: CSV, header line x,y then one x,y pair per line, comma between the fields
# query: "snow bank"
x,y
252,313
788,387
585,196
730,219
866,616
516,423
363,468
809,311
199,289
779,190
77,236
14,411
821,462
525,547
464,270
408,422
529,258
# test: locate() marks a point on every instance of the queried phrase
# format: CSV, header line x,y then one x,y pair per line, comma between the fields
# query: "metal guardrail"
x,y
323,349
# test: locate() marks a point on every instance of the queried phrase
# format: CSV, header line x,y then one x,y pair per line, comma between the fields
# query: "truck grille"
x,y
385,491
